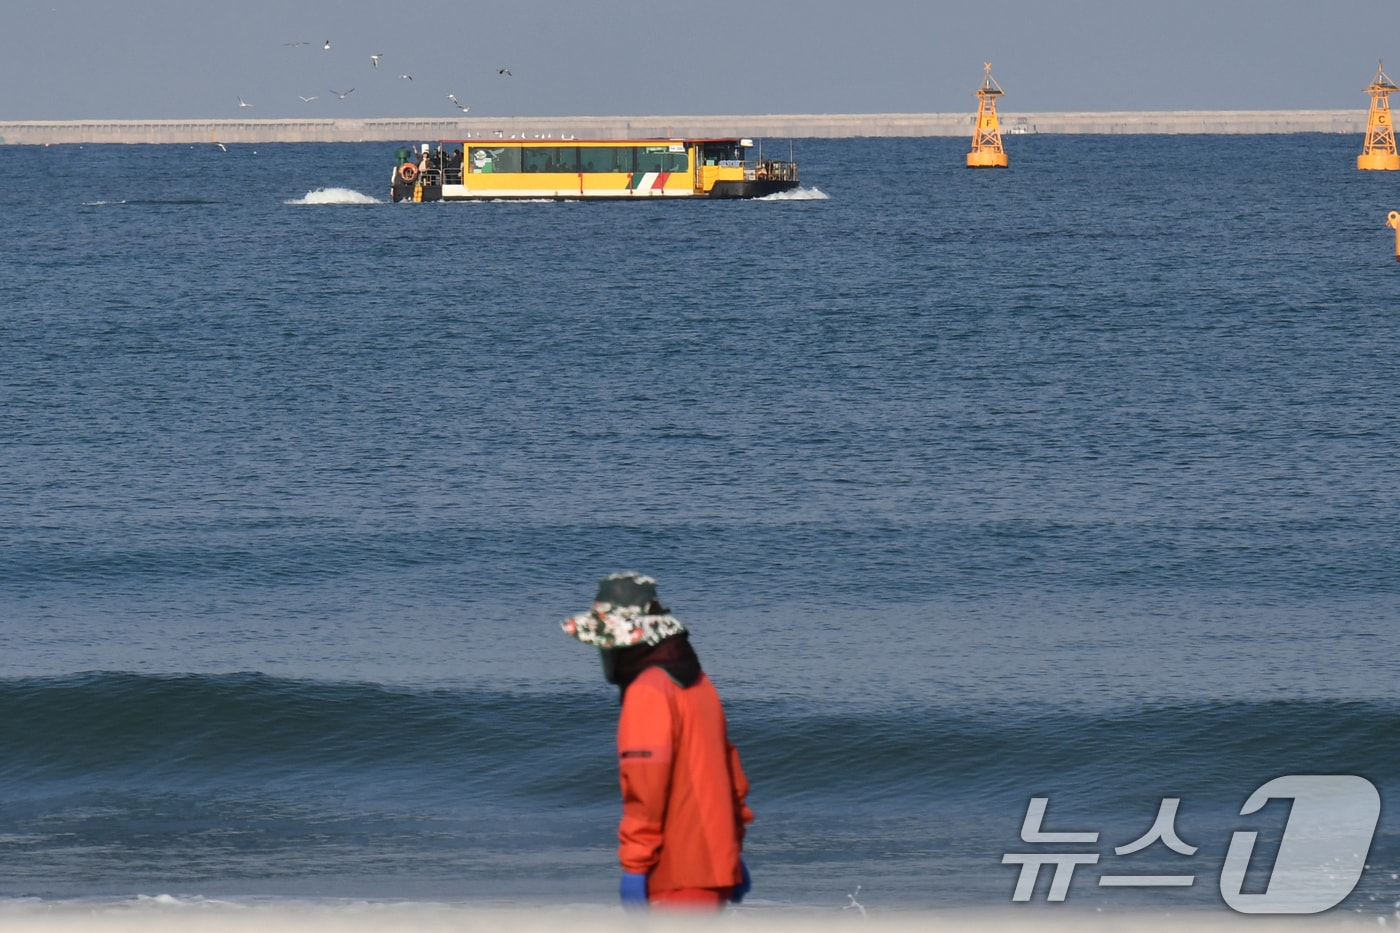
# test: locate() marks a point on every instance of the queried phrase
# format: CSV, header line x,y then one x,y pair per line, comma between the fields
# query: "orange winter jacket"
x,y
683,791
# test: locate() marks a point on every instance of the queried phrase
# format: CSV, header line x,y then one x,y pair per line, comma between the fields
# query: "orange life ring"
x,y
408,171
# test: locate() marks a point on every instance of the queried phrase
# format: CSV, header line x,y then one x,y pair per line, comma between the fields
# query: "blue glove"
x,y
742,888
633,890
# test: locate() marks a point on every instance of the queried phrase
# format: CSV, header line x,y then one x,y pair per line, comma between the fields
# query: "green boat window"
x,y
605,158
572,159
662,159
549,159
490,159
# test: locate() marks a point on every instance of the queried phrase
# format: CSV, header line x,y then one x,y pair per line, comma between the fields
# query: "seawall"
x,y
795,126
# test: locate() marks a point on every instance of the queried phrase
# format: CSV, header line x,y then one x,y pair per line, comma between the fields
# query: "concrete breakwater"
x,y
795,126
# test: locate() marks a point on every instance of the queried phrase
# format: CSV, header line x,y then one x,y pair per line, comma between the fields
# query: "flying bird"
x,y
502,71
406,77
453,98
307,100
374,59
243,103
222,147
327,46
341,94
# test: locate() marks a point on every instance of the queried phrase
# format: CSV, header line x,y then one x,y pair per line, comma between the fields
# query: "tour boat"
x,y
576,169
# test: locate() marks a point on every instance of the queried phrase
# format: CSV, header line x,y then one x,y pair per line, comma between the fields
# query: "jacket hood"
x,y
674,655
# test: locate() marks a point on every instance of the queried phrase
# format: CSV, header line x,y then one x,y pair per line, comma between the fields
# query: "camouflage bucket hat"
x,y
625,612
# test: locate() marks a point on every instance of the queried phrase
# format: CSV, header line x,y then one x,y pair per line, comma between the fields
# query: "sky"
x,y
195,59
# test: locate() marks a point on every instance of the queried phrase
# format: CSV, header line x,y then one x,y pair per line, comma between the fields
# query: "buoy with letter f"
x,y
1379,151
986,140
1392,221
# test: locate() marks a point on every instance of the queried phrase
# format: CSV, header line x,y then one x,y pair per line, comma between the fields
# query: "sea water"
x,y
1075,480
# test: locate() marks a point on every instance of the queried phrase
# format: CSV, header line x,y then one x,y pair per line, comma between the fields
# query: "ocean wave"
x,y
226,783
111,729
107,730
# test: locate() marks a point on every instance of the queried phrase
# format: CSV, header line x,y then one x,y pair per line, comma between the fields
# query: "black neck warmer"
x,y
674,655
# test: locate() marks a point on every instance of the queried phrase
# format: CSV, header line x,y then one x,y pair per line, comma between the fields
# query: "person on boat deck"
x,y
684,809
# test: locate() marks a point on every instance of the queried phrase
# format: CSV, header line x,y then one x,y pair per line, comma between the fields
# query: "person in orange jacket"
x,y
684,808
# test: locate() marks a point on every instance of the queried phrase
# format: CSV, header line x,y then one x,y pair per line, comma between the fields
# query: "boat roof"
x,y
644,141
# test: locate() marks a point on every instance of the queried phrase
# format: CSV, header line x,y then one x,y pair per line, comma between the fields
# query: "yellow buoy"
x,y
986,141
1379,152
1392,220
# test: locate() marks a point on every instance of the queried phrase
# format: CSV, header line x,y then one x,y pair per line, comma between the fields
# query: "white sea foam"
x,y
335,196
797,194
162,913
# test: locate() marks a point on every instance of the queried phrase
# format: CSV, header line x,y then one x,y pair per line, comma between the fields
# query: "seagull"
x,y
406,77
453,98
243,103
327,46
341,95
502,71
222,147
307,100
374,59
